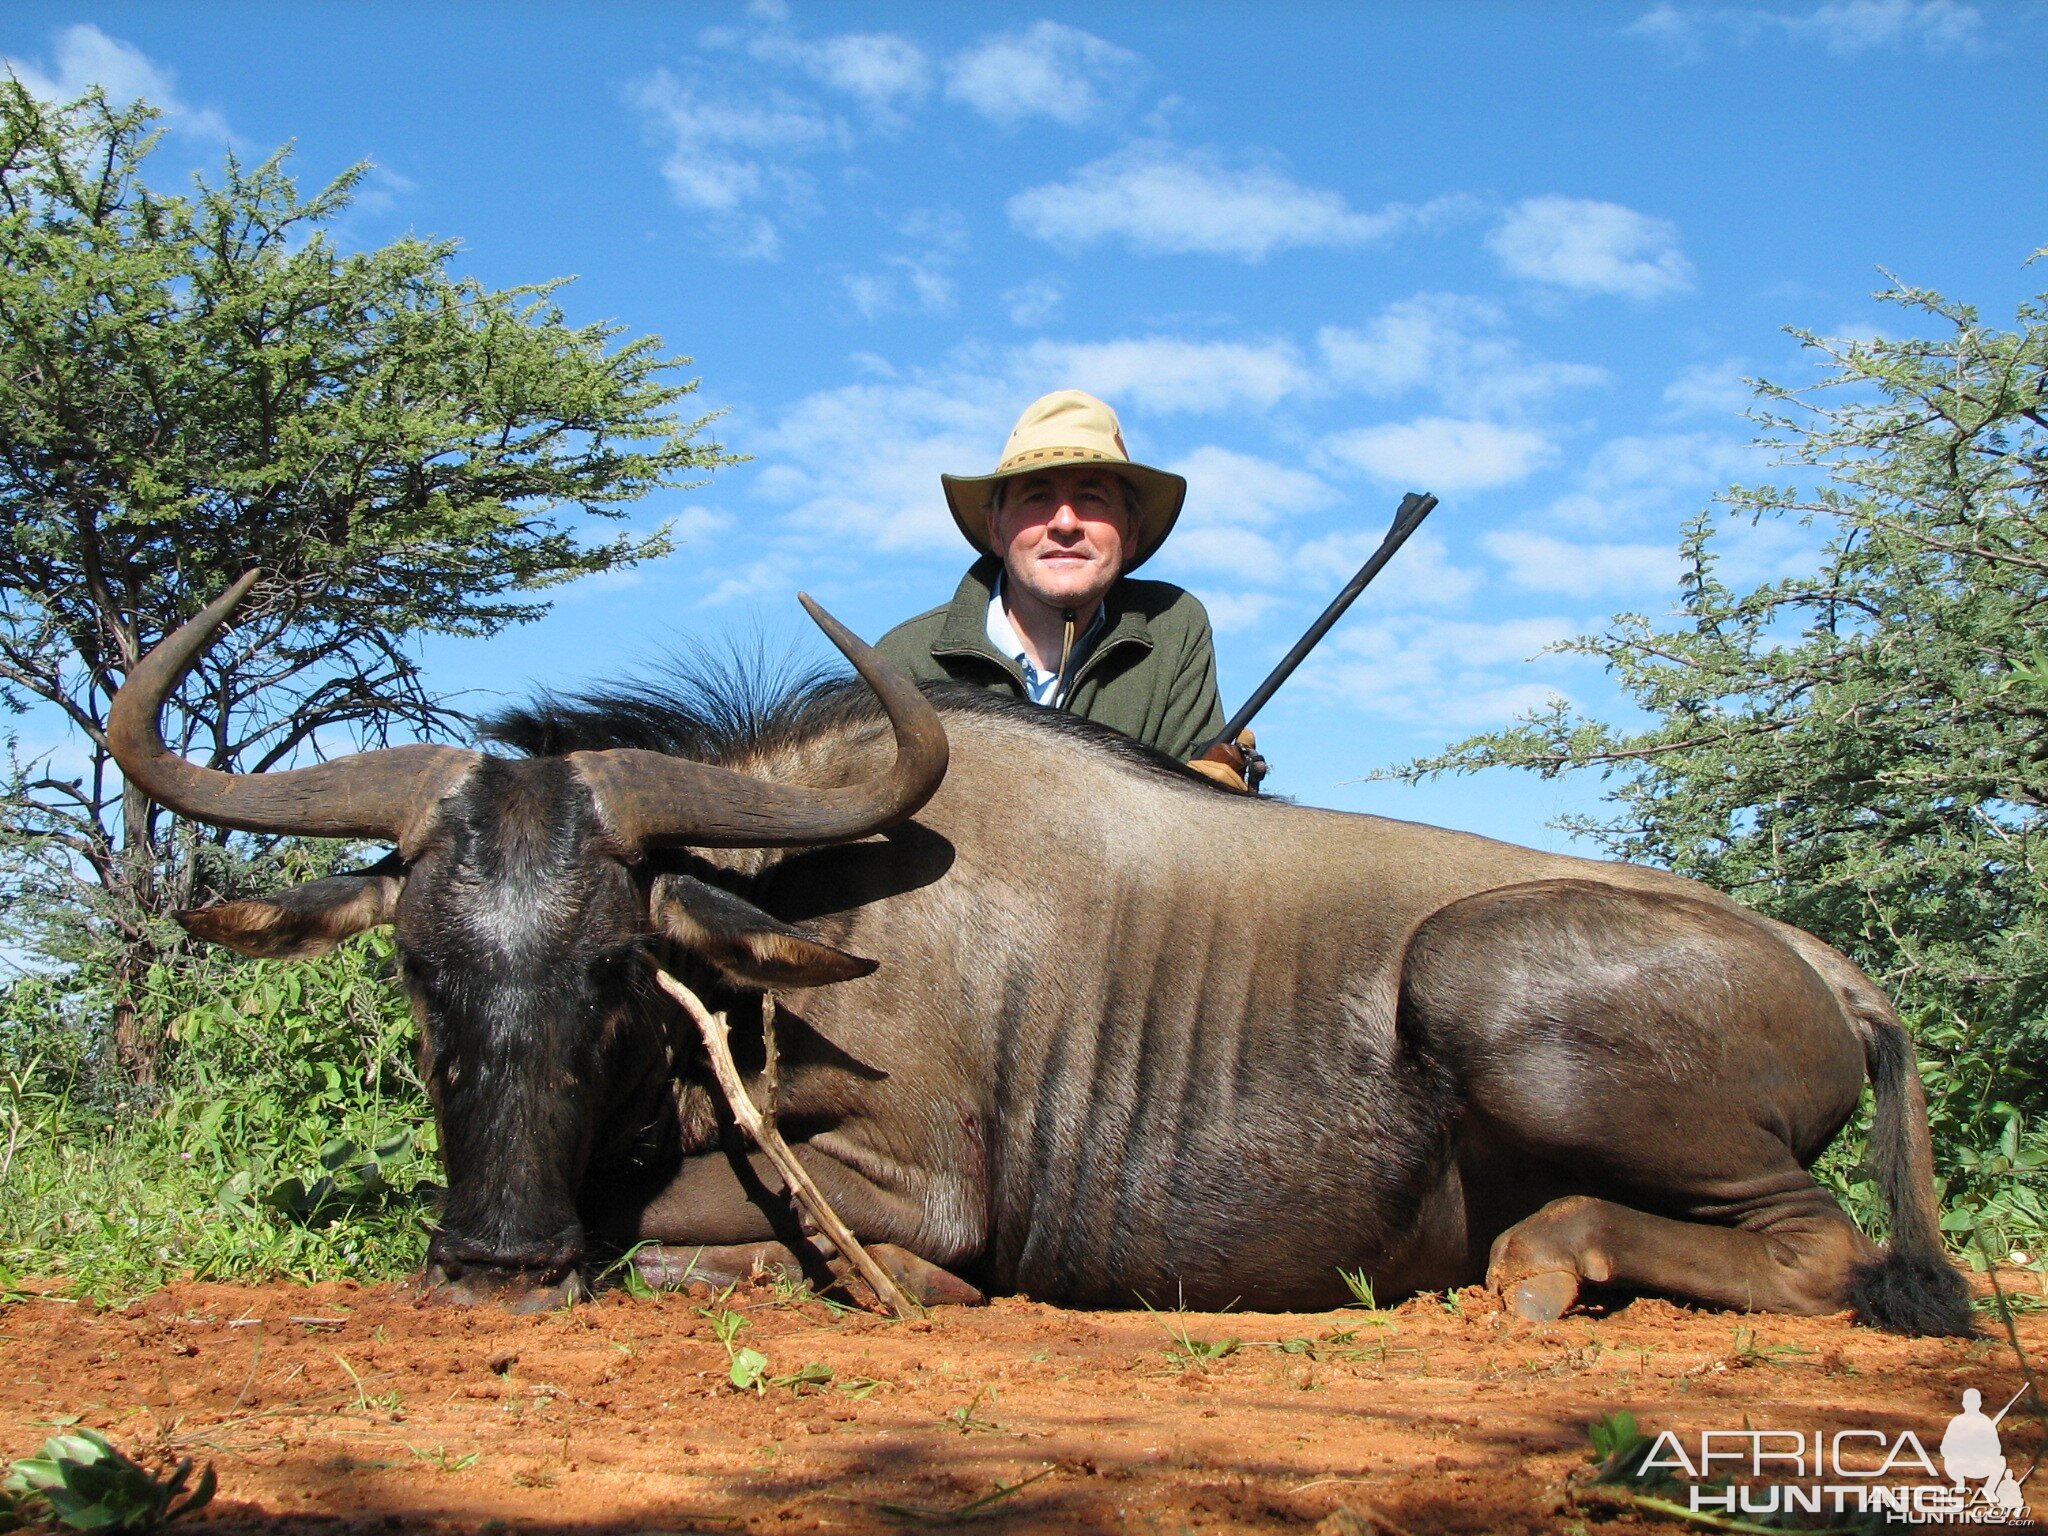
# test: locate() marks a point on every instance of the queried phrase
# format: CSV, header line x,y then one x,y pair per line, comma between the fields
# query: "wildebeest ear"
x,y
300,923
744,942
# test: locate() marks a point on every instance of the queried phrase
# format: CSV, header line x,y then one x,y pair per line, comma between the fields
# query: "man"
x,y
1049,612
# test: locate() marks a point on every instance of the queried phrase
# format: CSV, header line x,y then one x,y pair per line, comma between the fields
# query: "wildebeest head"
x,y
523,904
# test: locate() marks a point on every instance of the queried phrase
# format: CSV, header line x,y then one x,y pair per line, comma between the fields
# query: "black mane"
x,y
711,709
731,710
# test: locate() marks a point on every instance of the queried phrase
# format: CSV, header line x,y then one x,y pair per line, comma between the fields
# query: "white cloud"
x,y
1235,612
1426,576
774,577
1669,460
1856,26
1237,522
904,282
1752,552
1438,453
881,70
734,136
1542,563
1034,302
916,280
725,154
382,191
1843,27
1047,70
1655,479
1586,246
1710,389
1451,673
1237,552
84,57
1452,346
1164,373
1226,487
1164,200
858,467
693,530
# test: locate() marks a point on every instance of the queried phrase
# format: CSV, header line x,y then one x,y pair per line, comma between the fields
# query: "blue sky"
x,y
1522,256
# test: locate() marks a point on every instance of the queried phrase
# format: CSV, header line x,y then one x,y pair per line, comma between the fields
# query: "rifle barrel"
x,y
1415,506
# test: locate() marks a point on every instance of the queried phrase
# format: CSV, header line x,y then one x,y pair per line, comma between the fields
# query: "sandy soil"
x,y
339,1407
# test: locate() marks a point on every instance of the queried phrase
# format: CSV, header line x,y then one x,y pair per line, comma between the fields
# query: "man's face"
x,y
1063,534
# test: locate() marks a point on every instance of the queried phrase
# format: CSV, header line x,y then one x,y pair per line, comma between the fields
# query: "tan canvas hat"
x,y
1070,426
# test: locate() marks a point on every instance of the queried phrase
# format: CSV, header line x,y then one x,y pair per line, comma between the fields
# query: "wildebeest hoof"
x,y
1543,1297
515,1290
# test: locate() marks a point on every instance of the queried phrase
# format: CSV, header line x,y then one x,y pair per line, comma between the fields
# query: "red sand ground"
x,y
343,1407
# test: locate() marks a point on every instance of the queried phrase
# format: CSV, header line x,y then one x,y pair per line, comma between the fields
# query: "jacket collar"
x,y
966,626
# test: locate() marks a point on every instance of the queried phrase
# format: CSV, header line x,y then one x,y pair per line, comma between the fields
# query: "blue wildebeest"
x,y
1036,1038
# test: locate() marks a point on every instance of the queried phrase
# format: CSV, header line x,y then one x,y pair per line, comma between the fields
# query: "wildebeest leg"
x,y
1669,1068
728,1209
673,1267
1800,1265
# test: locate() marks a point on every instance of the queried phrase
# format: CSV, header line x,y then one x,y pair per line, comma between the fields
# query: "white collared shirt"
x,y
1002,634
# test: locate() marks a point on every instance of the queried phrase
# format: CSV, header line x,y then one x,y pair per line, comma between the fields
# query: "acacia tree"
x,y
193,385
1863,750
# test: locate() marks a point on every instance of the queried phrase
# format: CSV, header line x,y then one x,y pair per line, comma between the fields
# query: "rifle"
x,y
1415,506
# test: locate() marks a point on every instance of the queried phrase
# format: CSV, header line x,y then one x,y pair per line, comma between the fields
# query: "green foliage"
x,y
1619,1447
1359,1284
192,385
289,1137
1862,750
87,1485
968,1418
1186,1351
746,1367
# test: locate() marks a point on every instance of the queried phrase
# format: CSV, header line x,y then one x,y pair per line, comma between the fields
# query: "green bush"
x,y
289,1135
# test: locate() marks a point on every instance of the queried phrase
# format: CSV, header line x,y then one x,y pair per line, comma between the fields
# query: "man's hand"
x,y
1234,764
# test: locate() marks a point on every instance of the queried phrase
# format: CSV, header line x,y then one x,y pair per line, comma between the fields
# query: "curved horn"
x,y
651,798
382,795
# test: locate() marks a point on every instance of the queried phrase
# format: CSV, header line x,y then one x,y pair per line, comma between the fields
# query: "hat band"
x,y
1041,455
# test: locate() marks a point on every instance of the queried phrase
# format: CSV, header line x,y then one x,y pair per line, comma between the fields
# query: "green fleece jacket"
x,y
1151,672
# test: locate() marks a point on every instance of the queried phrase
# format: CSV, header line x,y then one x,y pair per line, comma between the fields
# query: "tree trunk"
x,y
138,1042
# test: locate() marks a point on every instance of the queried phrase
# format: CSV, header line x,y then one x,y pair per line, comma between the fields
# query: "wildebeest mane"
x,y
739,708
711,708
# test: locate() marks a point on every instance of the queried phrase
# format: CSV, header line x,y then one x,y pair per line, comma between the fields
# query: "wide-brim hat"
x,y
1064,428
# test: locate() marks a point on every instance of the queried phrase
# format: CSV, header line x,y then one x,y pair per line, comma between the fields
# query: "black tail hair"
x,y
1914,1288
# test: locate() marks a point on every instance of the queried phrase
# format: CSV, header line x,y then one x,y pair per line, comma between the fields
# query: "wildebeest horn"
x,y
385,794
651,798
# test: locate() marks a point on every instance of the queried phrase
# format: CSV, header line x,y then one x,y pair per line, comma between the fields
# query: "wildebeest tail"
x,y
1914,1288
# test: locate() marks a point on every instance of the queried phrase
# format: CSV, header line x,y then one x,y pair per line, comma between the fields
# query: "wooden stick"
x,y
712,1027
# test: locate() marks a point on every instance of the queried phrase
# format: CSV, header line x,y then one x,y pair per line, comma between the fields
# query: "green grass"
x,y
289,1137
